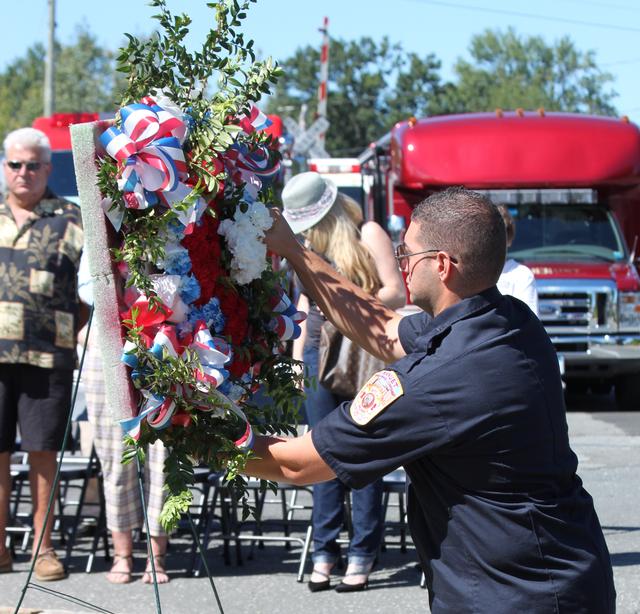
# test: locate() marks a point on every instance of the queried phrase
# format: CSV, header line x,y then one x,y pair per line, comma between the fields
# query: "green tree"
x,y
370,87
85,81
508,71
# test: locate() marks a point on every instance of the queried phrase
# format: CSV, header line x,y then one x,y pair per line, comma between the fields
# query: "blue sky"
x,y
444,27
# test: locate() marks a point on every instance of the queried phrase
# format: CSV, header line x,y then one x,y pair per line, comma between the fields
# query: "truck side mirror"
x,y
396,227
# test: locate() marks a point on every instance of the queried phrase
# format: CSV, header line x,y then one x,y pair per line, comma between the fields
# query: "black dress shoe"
x,y
356,570
323,585
343,587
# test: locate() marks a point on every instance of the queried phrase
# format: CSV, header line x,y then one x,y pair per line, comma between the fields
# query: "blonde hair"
x,y
337,237
509,223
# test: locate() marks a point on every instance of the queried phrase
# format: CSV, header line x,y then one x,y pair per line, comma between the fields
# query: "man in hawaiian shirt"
x,y
40,245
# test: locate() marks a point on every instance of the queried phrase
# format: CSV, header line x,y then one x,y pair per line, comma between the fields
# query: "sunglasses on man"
x,y
402,255
16,165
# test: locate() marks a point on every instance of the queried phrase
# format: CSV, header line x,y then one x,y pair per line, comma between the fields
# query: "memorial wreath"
x,y
187,178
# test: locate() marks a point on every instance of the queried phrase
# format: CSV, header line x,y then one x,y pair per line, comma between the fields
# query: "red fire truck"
x,y
572,183
63,179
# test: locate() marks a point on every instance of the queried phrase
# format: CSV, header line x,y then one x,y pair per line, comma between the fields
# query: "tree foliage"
x,y
371,85
85,81
509,71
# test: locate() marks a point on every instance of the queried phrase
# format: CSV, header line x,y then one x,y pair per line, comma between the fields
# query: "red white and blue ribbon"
x,y
287,319
151,156
156,410
212,352
256,120
148,148
256,160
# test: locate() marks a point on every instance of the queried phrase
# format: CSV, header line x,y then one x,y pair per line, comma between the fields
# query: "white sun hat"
x,y
307,198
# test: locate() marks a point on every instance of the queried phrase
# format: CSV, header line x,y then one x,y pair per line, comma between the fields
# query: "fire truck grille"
x,y
588,309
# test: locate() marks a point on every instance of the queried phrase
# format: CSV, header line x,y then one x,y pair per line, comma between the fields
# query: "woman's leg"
x,y
122,567
155,496
159,545
122,500
368,525
122,496
328,497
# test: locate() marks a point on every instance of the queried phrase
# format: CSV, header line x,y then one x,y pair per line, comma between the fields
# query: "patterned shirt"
x,y
38,284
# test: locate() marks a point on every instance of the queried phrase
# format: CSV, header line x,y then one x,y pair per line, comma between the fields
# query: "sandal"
x,y
119,576
161,574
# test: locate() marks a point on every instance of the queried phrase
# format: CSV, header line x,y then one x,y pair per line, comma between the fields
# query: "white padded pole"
x,y
106,318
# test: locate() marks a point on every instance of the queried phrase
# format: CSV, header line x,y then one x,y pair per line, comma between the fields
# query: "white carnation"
x,y
244,236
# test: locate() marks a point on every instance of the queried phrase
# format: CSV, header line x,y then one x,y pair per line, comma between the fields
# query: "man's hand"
x,y
280,238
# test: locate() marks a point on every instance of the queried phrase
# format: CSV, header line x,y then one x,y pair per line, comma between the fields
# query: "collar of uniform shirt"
x,y
442,323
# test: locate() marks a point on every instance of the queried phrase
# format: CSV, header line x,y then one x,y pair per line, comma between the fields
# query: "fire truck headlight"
x,y
630,310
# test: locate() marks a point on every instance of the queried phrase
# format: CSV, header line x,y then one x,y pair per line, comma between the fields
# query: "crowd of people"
x,y
469,400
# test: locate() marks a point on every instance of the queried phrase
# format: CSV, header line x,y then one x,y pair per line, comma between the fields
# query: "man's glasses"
x,y
16,165
402,256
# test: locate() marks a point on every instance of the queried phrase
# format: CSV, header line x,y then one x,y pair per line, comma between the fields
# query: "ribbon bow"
x,y
286,322
152,156
149,149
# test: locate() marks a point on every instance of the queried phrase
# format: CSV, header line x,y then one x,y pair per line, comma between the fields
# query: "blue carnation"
x,y
177,262
189,289
211,314
175,231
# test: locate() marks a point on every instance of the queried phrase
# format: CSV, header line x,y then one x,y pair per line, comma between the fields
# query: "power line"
x,y
620,62
604,5
509,13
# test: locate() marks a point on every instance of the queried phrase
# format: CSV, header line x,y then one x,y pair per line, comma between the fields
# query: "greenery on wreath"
x,y
228,171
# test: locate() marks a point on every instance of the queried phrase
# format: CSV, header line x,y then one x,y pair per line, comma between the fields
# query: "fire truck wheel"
x,y
601,386
628,392
577,386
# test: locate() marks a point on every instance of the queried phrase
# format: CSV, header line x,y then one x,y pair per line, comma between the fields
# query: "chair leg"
x,y
71,539
403,526
305,552
200,525
196,562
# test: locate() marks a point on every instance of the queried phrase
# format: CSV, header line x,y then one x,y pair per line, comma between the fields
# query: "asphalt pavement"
x,y
607,444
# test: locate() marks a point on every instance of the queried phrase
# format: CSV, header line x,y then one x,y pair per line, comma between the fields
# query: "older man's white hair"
x,y
29,138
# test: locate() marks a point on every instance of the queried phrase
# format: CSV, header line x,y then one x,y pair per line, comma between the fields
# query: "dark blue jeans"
x,y
328,497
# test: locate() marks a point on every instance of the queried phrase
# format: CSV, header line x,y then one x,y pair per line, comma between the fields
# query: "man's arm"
x,y
355,313
295,461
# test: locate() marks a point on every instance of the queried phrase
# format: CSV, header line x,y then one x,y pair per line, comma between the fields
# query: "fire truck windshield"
x,y
564,232
63,178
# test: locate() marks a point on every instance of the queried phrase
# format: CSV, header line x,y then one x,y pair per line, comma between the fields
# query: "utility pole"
x,y
49,68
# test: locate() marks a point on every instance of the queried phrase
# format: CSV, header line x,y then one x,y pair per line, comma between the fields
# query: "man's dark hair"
x,y
469,227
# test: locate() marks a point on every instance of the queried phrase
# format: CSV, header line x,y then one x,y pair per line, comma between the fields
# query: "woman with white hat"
x,y
332,225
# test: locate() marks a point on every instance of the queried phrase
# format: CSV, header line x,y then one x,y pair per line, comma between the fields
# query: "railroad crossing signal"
x,y
307,142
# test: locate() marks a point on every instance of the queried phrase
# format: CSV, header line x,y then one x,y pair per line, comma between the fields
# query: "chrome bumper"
x,y
599,355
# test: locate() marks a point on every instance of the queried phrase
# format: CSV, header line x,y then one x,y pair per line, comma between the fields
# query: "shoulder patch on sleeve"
x,y
382,389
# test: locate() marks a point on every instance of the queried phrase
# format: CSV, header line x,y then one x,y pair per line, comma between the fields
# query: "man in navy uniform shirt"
x,y
472,408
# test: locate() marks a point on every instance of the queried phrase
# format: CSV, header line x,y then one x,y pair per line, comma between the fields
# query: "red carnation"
x,y
203,245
